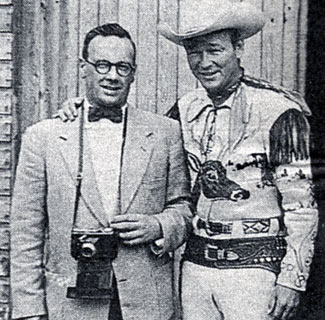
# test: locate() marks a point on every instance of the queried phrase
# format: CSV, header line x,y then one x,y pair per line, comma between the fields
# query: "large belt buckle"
x,y
214,253
214,228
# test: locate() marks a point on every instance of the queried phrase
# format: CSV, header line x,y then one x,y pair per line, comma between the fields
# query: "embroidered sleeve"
x,y
289,155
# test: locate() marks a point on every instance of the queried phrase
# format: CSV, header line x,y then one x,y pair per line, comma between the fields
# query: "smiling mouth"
x,y
209,74
110,89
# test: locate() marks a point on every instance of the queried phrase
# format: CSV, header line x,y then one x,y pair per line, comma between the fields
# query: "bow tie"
x,y
113,114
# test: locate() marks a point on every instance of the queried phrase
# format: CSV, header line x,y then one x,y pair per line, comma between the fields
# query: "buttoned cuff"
x,y
157,247
292,278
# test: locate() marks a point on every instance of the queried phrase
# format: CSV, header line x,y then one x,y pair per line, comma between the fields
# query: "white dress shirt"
x,y
105,139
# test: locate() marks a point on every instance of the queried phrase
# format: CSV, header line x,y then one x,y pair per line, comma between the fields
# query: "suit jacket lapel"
x,y
69,147
136,155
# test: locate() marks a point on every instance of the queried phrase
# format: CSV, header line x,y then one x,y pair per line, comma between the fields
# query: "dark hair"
x,y
234,35
106,30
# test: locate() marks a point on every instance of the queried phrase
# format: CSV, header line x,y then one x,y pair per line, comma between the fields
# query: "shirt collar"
x,y
203,102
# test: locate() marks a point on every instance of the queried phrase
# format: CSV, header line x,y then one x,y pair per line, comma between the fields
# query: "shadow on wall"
x,y
313,303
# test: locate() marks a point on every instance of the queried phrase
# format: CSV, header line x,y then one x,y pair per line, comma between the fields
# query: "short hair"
x,y
107,30
234,35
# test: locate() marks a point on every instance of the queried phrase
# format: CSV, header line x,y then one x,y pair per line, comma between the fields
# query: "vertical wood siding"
x,y
6,146
48,43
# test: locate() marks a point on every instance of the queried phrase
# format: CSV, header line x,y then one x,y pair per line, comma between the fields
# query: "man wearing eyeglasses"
x,y
118,168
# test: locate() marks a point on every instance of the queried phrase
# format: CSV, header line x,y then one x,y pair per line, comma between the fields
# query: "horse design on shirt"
x,y
213,182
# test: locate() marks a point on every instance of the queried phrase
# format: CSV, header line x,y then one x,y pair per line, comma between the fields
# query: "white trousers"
x,y
225,294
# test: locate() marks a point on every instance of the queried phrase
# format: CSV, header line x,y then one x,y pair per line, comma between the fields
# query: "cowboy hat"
x,y
200,17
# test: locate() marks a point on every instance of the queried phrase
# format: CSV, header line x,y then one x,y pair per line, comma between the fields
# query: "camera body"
x,y
94,250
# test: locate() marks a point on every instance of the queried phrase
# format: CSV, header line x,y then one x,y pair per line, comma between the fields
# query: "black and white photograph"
x,y
162,160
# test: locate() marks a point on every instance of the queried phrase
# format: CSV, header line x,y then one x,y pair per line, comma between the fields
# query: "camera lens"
x,y
88,250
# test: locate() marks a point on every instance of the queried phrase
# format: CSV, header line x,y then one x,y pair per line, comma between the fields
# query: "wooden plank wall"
x,y
6,135
48,36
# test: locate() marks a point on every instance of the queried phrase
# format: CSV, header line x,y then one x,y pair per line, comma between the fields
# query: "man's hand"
x,y
283,303
136,229
69,109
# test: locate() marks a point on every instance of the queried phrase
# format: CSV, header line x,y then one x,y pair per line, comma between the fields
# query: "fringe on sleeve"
x,y
289,138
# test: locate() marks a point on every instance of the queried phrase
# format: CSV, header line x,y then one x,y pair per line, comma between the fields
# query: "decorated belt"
x,y
214,228
249,226
266,252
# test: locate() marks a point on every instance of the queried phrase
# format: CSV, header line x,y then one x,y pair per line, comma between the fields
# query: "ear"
x,y
132,78
83,66
239,48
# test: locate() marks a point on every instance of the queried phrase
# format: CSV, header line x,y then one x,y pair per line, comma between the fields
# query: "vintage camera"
x,y
94,250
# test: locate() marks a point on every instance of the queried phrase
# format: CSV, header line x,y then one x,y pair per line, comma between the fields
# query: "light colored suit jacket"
x,y
154,180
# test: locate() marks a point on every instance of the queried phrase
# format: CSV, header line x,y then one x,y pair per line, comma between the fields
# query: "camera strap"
x,y
80,163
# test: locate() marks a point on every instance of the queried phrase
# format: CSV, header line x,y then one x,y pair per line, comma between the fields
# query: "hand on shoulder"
x,y
69,110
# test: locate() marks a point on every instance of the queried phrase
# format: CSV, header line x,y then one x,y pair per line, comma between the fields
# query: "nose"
x,y
112,74
205,61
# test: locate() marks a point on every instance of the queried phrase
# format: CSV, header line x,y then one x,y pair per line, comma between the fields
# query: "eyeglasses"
x,y
124,69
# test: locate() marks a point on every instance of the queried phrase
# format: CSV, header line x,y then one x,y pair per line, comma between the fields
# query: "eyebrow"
x,y
194,46
107,61
215,44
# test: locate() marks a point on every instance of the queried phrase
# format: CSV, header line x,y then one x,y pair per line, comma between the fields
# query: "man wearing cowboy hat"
x,y
247,143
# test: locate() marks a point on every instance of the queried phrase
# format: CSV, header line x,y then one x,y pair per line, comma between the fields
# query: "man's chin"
x,y
211,82
112,102
212,86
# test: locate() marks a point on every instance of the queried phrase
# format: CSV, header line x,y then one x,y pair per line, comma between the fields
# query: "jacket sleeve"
x,y
289,154
176,217
28,225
